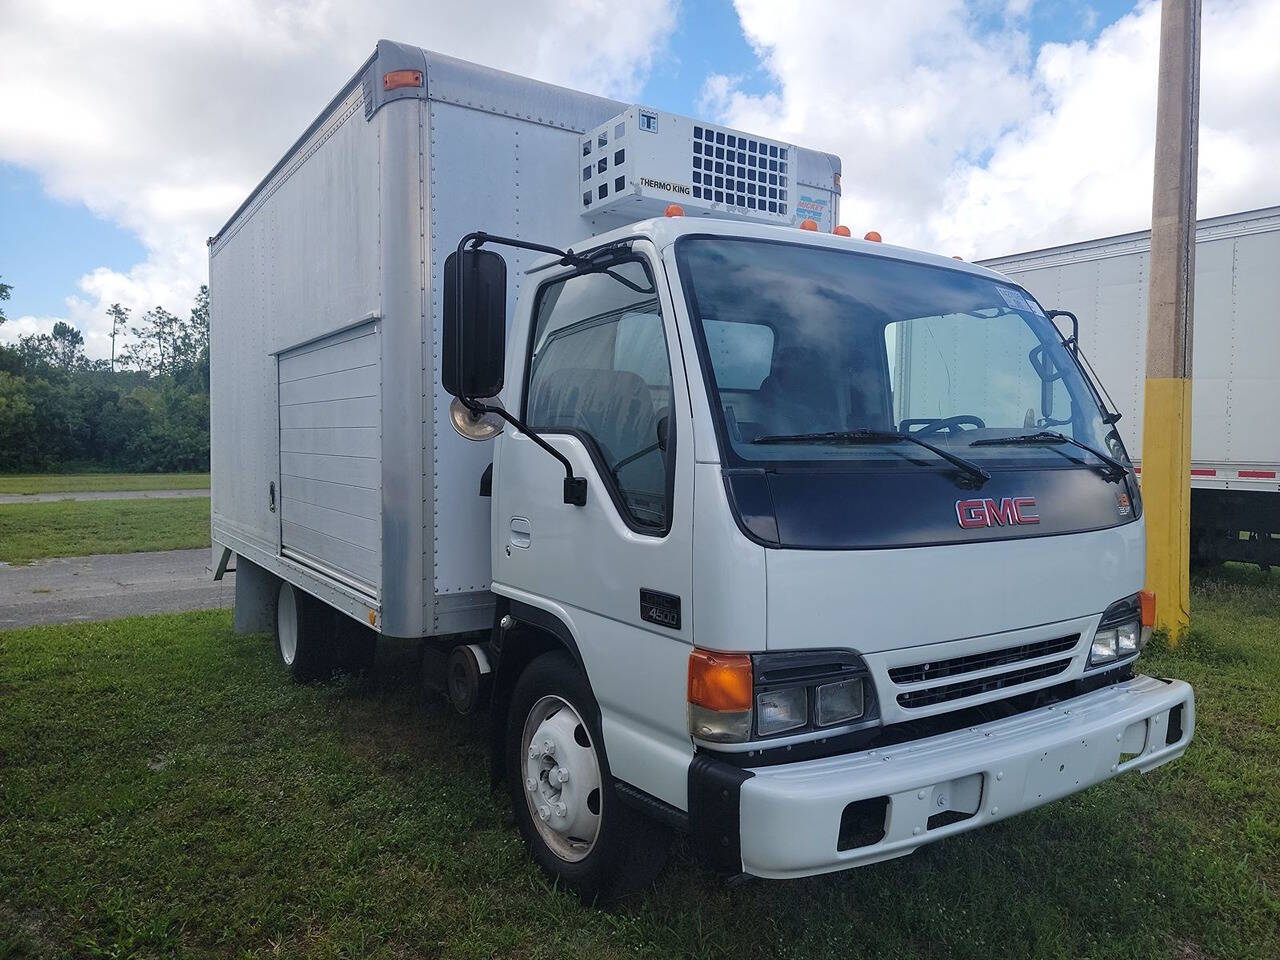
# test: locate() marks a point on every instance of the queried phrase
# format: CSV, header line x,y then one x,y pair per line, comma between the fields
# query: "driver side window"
x,y
600,369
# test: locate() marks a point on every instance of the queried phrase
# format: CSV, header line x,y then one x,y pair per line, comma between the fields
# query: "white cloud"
x,y
161,116
957,139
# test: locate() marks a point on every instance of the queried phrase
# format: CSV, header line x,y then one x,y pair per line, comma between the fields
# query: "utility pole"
x,y
1166,431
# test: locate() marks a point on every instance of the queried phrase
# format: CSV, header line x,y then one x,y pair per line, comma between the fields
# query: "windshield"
x,y
801,340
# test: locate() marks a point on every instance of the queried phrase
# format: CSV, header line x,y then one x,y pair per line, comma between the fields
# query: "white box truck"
x,y
597,403
1235,444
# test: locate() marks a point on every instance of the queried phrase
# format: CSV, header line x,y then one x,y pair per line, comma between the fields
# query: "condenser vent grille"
x,y
605,166
740,171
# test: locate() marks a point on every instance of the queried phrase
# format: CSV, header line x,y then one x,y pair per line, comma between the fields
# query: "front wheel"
x,y
562,792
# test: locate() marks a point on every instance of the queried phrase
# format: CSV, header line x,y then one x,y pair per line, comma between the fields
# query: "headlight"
x,y
839,702
738,697
1119,635
780,710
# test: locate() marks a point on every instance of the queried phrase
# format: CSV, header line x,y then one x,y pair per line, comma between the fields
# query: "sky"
x,y
133,129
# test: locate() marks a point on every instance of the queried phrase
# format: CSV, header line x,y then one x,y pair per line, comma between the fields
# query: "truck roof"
x,y
664,231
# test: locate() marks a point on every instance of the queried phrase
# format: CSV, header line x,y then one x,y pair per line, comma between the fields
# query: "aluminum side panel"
x,y
300,263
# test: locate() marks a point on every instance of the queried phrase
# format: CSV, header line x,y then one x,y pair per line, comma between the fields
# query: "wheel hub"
x,y
562,778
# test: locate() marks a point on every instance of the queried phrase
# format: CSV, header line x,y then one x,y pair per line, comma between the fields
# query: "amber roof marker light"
x,y
396,79
673,210
842,231
808,224
873,236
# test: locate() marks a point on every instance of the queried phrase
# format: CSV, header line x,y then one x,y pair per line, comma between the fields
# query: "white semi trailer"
x,y
1235,443
597,403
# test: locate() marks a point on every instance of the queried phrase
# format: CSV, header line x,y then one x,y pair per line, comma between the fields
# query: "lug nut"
x,y
534,752
532,784
562,774
549,748
544,812
561,809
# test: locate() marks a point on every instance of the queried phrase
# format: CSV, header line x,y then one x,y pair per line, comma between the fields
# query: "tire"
x,y
304,635
356,646
572,821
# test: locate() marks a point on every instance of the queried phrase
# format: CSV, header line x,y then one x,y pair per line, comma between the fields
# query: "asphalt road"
x,y
100,495
74,589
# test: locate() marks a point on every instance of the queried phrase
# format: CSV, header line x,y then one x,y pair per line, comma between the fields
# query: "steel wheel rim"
x,y
287,625
562,781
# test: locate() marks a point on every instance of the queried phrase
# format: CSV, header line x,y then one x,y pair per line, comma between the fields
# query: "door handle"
x,y
521,532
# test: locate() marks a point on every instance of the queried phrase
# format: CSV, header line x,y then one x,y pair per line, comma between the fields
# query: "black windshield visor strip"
x,y
871,506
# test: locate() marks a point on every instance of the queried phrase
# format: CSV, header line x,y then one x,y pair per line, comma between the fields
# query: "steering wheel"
x,y
952,424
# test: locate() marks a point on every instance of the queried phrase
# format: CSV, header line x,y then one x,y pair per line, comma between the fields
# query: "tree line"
x,y
144,409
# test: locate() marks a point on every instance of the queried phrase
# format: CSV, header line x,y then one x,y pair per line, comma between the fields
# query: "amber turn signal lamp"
x,y
720,681
673,210
1147,601
401,78
873,236
842,231
808,224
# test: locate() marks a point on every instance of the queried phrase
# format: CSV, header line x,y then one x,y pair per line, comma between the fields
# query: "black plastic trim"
x,y
651,806
715,811
523,612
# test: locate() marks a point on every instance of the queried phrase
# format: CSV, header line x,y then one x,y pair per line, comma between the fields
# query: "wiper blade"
x,y
838,437
1112,469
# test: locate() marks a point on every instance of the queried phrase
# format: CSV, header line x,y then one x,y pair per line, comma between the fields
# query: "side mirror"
x,y
473,347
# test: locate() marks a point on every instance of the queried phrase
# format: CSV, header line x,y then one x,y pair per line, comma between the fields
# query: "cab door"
x,y
602,380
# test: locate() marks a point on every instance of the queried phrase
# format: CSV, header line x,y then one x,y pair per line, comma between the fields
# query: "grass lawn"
x,y
68,528
165,791
81,482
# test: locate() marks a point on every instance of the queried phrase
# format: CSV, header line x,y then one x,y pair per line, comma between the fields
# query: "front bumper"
x,y
790,815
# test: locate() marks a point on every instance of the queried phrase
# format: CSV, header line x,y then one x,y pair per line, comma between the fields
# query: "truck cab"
x,y
859,563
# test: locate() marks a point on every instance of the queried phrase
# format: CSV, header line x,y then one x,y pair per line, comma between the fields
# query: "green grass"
x,y
165,791
82,482
67,528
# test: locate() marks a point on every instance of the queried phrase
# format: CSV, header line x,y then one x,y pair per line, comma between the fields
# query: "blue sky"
x,y
46,245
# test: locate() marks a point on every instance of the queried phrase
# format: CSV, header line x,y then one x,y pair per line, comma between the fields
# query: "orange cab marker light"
x,y
873,236
954,257
720,681
673,210
401,78
842,231
1147,601
808,224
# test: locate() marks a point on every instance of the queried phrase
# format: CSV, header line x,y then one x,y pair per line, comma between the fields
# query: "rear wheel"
x,y
304,634
562,791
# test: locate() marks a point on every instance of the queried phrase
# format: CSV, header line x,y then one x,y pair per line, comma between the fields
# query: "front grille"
x,y
969,688
938,669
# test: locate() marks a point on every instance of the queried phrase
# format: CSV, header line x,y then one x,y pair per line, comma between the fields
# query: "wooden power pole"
x,y
1166,430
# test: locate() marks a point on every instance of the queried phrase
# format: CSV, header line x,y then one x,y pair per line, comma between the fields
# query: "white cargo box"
x,y
334,462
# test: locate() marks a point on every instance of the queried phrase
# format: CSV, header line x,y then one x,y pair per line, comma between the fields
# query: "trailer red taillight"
x,y
401,78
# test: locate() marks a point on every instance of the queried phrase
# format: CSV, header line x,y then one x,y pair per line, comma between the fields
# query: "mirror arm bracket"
x,y
575,488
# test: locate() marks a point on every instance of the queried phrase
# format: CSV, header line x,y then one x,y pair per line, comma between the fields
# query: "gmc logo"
x,y
1006,512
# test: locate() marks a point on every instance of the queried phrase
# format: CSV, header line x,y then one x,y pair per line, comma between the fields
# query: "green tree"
x,y
119,321
7,288
68,346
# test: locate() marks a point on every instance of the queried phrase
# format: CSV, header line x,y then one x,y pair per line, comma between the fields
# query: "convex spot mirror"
x,y
473,347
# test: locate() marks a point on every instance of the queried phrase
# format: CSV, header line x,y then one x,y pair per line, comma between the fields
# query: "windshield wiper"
x,y
837,437
1112,469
